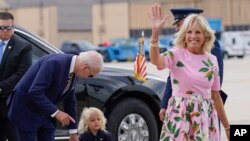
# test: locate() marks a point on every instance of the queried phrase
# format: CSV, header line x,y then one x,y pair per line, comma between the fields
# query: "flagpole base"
x,y
139,77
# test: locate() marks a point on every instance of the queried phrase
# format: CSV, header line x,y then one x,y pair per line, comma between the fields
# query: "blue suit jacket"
x,y
215,51
35,97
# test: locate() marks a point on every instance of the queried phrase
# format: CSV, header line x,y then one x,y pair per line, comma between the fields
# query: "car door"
x,y
81,96
39,47
102,86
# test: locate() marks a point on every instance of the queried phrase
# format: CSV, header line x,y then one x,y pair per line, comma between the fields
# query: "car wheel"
x,y
133,120
240,56
225,55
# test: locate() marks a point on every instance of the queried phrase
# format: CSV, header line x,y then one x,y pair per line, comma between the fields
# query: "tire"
x,y
240,56
122,127
227,56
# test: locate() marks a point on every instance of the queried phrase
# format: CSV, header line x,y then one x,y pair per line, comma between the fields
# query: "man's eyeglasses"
x,y
90,74
6,27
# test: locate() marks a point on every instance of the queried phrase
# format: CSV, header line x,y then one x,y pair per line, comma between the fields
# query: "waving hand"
x,y
157,19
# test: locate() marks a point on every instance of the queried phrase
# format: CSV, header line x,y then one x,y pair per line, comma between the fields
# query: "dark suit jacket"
x,y
35,97
100,136
215,51
17,58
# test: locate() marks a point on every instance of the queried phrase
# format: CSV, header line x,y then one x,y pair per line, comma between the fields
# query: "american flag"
x,y
140,61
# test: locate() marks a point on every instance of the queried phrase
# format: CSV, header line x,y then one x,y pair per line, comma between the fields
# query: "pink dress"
x,y
191,114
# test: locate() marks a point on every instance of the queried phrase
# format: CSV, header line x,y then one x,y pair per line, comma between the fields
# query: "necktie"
x,y
69,82
1,51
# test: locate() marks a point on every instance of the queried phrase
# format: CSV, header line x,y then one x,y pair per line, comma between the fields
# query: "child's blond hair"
x,y
84,119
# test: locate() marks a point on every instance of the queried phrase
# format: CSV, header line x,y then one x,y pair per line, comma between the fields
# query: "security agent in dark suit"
x,y
49,81
179,15
15,59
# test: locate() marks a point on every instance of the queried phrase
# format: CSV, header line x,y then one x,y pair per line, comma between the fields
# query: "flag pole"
x,y
140,68
141,42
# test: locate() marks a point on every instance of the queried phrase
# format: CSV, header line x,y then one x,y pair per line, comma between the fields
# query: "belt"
x,y
193,96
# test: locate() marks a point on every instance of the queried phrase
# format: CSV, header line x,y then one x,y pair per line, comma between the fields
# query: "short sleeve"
x,y
169,57
216,71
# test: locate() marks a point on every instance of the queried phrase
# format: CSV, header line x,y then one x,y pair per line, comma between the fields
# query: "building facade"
x,y
100,20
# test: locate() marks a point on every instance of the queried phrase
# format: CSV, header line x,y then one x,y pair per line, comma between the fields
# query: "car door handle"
x,y
80,88
96,87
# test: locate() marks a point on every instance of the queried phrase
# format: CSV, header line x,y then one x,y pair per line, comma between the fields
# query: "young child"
x,y
92,126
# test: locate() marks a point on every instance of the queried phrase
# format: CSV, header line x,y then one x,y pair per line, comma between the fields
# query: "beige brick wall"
x,y
40,21
232,12
110,21
113,20
43,22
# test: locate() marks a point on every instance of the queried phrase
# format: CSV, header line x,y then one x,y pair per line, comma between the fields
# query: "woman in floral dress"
x,y
194,108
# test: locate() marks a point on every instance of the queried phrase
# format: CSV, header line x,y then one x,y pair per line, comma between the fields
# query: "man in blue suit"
x,y
179,15
49,81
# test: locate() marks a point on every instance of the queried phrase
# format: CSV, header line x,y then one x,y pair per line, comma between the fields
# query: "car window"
x,y
38,48
37,53
123,42
65,45
85,45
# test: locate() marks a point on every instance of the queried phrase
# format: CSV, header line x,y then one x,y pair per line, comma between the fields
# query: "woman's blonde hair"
x,y
84,119
191,21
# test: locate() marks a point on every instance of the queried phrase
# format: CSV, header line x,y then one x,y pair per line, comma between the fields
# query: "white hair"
x,y
93,59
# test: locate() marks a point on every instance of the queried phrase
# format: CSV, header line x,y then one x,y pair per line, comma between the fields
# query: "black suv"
x,y
130,106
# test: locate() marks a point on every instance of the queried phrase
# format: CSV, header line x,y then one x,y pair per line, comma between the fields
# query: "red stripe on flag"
x,y
140,66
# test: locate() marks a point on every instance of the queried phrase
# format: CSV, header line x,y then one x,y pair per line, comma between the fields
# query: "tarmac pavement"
x,y
236,84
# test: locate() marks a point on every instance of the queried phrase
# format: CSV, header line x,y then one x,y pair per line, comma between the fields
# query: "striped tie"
x,y
69,82
1,51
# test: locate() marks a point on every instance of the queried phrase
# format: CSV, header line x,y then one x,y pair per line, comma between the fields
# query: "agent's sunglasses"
x,y
6,27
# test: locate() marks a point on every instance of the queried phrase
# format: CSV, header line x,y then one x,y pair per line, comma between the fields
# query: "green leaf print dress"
x,y
191,114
